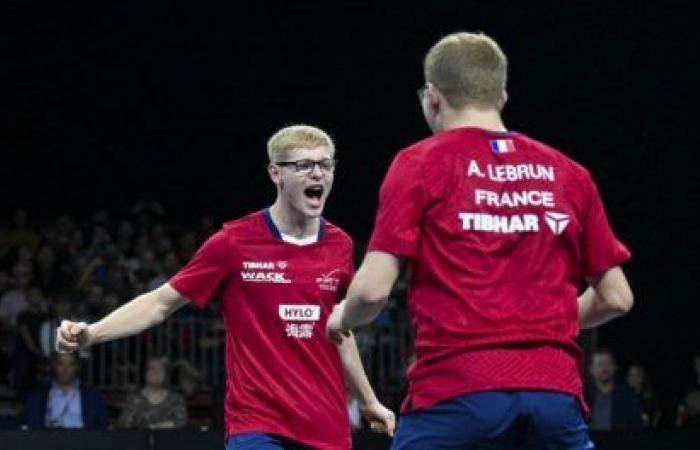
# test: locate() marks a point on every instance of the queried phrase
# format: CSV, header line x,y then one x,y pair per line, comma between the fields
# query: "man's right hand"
x,y
71,336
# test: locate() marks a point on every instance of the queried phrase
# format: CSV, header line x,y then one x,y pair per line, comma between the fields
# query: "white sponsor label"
x,y
264,277
516,223
303,313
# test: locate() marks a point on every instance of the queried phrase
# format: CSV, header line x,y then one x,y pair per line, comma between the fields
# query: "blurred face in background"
x,y
156,373
603,367
635,378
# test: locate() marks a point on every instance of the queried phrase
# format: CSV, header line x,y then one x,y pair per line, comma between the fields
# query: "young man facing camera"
x,y
277,273
499,230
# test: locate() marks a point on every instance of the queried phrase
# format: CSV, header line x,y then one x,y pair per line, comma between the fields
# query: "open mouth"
x,y
314,192
313,195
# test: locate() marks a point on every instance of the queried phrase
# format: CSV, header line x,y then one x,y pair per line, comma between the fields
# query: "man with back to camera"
x,y
277,273
498,230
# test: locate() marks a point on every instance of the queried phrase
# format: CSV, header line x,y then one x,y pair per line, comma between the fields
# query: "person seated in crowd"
x,y
65,402
28,356
614,406
155,406
61,307
638,381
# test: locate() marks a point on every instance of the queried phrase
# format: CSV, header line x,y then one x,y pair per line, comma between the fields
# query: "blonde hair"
x,y
296,136
469,69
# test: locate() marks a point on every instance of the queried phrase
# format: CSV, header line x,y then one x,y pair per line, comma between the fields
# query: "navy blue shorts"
x,y
261,441
532,420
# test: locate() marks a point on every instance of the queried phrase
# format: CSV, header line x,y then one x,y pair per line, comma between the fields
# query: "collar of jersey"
x,y
289,239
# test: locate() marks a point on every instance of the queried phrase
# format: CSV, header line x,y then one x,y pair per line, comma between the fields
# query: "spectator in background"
x,y
14,301
28,355
638,381
688,413
614,406
65,402
170,267
61,307
155,406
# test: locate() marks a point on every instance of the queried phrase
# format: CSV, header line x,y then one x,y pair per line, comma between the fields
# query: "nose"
x,y
316,172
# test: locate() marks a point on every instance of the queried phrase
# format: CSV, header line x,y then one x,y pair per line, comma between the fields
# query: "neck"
x,y
66,386
605,386
487,119
292,223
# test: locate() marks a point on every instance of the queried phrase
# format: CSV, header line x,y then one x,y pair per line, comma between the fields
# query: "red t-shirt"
x,y
500,230
284,377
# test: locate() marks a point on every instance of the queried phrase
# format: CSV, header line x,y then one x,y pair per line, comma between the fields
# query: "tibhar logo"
x,y
297,313
326,282
557,221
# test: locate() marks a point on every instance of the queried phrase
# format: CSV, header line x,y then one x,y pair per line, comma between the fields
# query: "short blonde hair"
x,y
469,69
296,136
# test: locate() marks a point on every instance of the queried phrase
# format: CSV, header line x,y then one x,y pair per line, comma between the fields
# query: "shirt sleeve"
x,y
600,249
206,272
402,200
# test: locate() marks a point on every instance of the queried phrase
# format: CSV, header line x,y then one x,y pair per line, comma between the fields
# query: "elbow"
x,y
375,297
621,302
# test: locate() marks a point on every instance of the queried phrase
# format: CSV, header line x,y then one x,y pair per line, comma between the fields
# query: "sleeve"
x,y
402,200
600,249
199,280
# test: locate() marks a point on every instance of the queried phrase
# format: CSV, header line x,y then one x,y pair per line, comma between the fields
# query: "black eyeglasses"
x,y
306,166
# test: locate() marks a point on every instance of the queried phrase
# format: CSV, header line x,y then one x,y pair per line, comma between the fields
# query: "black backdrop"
x,y
103,104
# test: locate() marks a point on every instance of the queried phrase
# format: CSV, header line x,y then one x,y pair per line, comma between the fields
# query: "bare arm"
x,y
367,295
131,318
354,372
609,296
379,417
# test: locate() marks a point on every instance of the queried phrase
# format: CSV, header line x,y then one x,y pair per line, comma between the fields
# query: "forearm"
x,y
354,372
360,310
369,291
136,316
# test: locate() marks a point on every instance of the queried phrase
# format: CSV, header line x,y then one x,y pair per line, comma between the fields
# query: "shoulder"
x,y
335,234
553,155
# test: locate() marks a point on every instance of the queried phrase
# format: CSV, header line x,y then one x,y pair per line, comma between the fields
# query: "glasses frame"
x,y
302,171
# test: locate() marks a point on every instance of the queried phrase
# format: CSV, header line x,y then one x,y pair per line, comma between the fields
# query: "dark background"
x,y
102,105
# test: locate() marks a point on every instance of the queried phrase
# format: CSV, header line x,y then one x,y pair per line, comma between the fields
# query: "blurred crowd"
x,y
84,269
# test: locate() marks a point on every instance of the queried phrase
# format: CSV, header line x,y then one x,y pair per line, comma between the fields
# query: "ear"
x,y
503,101
274,172
433,97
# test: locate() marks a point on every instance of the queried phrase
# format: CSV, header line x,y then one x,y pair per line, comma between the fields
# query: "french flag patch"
x,y
502,146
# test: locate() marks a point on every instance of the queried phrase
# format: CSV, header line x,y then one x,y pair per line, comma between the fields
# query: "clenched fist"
x,y
71,336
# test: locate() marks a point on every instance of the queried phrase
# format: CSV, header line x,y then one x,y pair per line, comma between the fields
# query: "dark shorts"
x,y
532,420
261,441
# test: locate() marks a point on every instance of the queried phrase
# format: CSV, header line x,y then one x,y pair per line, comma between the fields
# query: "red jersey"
x,y
500,230
284,377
